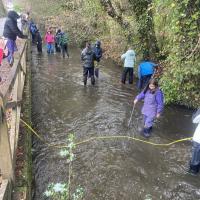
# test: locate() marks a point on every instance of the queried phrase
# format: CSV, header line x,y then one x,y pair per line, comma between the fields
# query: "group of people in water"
x,y
15,27
57,42
91,55
150,92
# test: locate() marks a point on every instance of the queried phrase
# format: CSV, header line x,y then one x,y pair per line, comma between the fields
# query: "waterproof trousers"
x,y
57,47
129,71
64,49
148,123
195,160
12,47
88,72
50,48
39,47
143,81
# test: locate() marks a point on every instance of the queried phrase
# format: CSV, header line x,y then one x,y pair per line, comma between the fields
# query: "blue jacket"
x,y
146,68
129,58
98,52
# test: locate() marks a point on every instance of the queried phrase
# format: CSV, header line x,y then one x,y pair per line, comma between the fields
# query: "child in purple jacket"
x,y
153,105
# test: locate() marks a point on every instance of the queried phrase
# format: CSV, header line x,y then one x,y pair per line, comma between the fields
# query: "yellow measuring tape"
x,y
105,137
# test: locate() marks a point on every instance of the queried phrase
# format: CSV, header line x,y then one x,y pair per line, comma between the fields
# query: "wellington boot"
x,y
194,169
85,80
146,132
96,72
92,80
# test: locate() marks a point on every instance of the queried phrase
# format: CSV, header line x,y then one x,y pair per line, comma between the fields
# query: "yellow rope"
x,y
105,137
130,138
38,136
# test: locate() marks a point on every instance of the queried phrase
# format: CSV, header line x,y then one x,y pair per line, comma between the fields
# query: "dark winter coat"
x,y
11,31
88,57
57,37
98,51
38,37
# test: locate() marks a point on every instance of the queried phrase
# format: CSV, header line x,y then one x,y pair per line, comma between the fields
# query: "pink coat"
x,y
1,55
49,38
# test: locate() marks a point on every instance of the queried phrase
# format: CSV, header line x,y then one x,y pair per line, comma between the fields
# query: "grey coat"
x,y
88,57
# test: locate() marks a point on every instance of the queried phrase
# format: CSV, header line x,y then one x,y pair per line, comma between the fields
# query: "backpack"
x,y
33,29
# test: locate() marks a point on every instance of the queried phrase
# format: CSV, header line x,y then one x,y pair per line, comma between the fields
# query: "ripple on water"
x,y
106,169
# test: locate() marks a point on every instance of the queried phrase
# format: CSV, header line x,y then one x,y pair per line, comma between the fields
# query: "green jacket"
x,y
63,39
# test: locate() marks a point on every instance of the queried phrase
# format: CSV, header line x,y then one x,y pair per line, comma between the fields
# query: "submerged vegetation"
x,y
168,31
62,191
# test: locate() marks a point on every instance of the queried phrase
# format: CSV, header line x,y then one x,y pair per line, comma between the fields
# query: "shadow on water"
x,y
106,169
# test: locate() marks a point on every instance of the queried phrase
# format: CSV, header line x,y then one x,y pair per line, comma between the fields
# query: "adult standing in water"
x,y
145,71
63,43
129,60
88,57
38,40
98,54
195,160
57,39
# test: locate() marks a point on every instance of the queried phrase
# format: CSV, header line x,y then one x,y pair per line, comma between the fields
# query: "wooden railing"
x,y
10,107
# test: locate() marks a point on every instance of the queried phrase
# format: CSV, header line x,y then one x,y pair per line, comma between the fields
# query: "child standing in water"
x,y
49,39
153,105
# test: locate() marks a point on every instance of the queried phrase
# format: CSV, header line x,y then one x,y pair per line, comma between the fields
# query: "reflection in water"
x,y
107,169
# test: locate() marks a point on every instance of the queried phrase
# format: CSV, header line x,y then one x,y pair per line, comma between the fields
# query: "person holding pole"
x,y
153,105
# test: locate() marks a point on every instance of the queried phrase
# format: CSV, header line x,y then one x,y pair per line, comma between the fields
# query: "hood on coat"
x,y
13,15
98,43
130,52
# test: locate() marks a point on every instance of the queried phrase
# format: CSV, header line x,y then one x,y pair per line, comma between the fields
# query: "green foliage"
x,y
78,194
18,8
61,191
68,151
57,191
166,29
180,43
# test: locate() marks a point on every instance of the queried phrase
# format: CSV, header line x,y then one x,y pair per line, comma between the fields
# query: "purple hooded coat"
x,y
153,103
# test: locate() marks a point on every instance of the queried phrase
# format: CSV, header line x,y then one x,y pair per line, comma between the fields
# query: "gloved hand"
x,y
135,101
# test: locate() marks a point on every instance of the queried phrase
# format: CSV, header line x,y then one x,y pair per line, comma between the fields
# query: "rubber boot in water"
x,y
96,71
194,169
146,132
92,80
85,80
